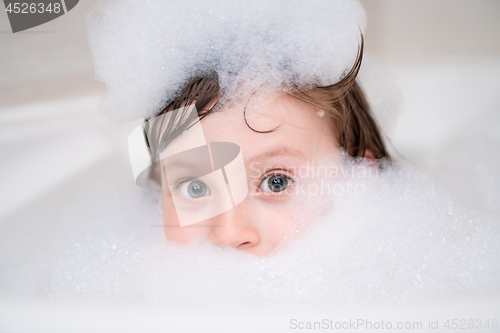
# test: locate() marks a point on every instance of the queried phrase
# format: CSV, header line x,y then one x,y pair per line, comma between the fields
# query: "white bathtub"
x,y
51,151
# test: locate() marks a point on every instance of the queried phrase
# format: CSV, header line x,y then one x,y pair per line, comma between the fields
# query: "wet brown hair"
x,y
344,104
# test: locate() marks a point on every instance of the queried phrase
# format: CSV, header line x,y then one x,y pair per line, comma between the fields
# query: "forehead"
x,y
293,124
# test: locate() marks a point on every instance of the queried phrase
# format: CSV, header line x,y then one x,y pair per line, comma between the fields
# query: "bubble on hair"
x,y
146,52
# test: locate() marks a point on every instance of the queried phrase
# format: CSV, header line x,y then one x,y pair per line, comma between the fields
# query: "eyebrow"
x,y
171,163
275,152
279,151
176,164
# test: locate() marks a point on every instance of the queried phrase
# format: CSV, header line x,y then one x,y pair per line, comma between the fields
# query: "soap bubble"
x,y
146,52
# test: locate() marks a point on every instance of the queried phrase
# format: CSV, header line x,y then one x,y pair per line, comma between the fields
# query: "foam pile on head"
x,y
146,52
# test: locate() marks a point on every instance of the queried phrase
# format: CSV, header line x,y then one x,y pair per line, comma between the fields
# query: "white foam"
x,y
403,240
407,239
145,52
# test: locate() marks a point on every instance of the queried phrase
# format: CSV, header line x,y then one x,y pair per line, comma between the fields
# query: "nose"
x,y
235,229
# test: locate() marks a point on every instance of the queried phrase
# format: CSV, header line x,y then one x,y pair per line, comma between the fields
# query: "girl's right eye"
x,y
274,183
194,189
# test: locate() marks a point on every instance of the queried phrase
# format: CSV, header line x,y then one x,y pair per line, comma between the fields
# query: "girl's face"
x,y
273,163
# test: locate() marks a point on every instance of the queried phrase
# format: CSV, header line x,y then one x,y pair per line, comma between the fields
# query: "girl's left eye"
x,y
194,189
275,183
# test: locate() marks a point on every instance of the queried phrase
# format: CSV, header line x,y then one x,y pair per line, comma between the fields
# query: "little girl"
x,y
264,90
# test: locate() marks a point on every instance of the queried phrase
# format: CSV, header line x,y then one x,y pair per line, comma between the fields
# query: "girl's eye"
x,y
194,189
274,183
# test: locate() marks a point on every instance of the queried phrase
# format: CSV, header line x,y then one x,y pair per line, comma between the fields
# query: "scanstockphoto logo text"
x,y
450,324
27,14
355,324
